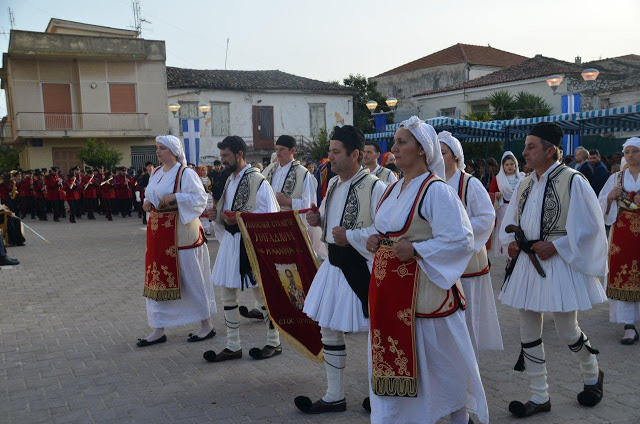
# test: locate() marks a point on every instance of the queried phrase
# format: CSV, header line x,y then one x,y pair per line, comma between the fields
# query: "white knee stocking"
x,y
532,355
231,318
273,336
335,358
570,333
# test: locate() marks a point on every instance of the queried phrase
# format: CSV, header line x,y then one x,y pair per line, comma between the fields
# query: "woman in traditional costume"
x,y
422,364
481,314
620,203
177,271
502,187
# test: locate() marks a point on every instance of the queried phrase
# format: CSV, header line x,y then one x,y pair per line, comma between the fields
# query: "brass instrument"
x,y
14,190
87,184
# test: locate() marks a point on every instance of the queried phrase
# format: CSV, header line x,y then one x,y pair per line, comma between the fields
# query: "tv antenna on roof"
x,y
12,18
138,20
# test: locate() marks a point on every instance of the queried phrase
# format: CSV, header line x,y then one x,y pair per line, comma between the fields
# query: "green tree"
x,y
98,153
530,105
9,158
478,149
503,105
320,145
365,90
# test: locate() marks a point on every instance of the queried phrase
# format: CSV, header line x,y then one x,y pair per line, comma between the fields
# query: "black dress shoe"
x,y
145,343
194,337
528,409
254,313
266,352
592,394
366,404
304,404
632,340
5,260
224,355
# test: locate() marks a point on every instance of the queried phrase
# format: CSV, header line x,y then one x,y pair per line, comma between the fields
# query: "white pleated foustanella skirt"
x,y
332,303
448,376
226,269
481,314
562,290
197,301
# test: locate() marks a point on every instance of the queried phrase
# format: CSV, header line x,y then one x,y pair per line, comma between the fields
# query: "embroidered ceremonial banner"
x,y
392,298
624,264
162,271
284,265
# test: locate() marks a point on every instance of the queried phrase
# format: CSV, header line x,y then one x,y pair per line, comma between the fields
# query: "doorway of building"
x,y
65,158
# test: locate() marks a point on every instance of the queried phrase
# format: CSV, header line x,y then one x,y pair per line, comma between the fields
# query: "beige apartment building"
x,y
77,81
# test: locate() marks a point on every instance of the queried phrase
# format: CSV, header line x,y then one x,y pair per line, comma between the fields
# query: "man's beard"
x,y
232,167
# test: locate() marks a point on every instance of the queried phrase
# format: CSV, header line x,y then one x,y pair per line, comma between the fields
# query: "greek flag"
x,y
570,104
191,140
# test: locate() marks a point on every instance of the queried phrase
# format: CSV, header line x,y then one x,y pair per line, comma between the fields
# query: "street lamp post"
x,y
588,75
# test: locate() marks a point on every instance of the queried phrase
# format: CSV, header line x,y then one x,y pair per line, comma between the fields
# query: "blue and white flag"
x,y
570,104
191,140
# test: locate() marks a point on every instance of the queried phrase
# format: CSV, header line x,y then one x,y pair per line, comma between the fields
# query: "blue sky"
x,y
329,39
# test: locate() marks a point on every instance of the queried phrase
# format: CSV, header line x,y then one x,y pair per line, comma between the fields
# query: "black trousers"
x,y
90,206
72,210
41,207
56,207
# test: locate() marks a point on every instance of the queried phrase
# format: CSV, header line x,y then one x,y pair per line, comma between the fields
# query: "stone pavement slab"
x,y
72,311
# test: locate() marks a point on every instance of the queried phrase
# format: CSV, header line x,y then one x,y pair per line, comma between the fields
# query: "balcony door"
x,y
263,127
56,99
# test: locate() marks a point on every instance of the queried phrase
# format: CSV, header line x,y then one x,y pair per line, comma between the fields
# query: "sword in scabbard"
x,y
525,246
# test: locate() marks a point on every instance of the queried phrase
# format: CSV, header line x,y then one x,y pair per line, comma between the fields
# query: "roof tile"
x,y
461,53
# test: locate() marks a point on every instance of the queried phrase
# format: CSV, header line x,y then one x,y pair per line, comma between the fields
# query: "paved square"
x,y
71,312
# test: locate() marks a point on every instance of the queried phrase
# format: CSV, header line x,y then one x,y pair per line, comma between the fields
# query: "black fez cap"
x,y
286,141
350,136
548,131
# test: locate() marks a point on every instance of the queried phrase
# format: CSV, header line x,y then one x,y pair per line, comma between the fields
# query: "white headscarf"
x,y
175,145
428,139
501,178
455,146
633,141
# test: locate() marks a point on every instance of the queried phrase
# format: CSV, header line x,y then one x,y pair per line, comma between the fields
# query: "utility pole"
x,y
226,54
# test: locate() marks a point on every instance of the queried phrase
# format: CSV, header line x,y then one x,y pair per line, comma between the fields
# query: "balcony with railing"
x,y
46,125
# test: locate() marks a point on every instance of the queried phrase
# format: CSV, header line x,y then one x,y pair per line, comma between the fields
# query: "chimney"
x,y
578,60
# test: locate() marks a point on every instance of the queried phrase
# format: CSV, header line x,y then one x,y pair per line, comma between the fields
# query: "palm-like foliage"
x,y
503,105
530,105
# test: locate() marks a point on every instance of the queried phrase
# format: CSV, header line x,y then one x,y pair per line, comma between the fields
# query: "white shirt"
x,y
584,247
628,183
390,179
265,199
309,195
479,209
357,238
192,199
444,257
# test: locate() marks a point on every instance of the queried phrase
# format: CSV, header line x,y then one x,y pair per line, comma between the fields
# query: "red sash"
x,y
392,298
624,262
161,265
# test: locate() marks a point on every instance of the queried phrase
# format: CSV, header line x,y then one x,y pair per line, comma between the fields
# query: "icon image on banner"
x,y
291,283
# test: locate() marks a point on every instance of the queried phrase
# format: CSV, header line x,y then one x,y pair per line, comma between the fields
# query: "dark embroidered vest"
x,y
555,202
293,182
357,209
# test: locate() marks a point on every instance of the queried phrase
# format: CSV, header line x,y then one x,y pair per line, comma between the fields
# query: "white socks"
x,y
537,371
571,334
231,318
459,417
273,336
335,358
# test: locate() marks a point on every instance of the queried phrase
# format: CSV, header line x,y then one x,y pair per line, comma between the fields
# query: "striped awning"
x,y
617,119
462,129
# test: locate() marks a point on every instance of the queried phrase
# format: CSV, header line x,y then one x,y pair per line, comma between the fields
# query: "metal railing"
x,y
41,121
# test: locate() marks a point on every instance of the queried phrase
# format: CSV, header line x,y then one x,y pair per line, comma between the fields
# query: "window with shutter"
x,y
317,113
122,98
56,99
220,119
